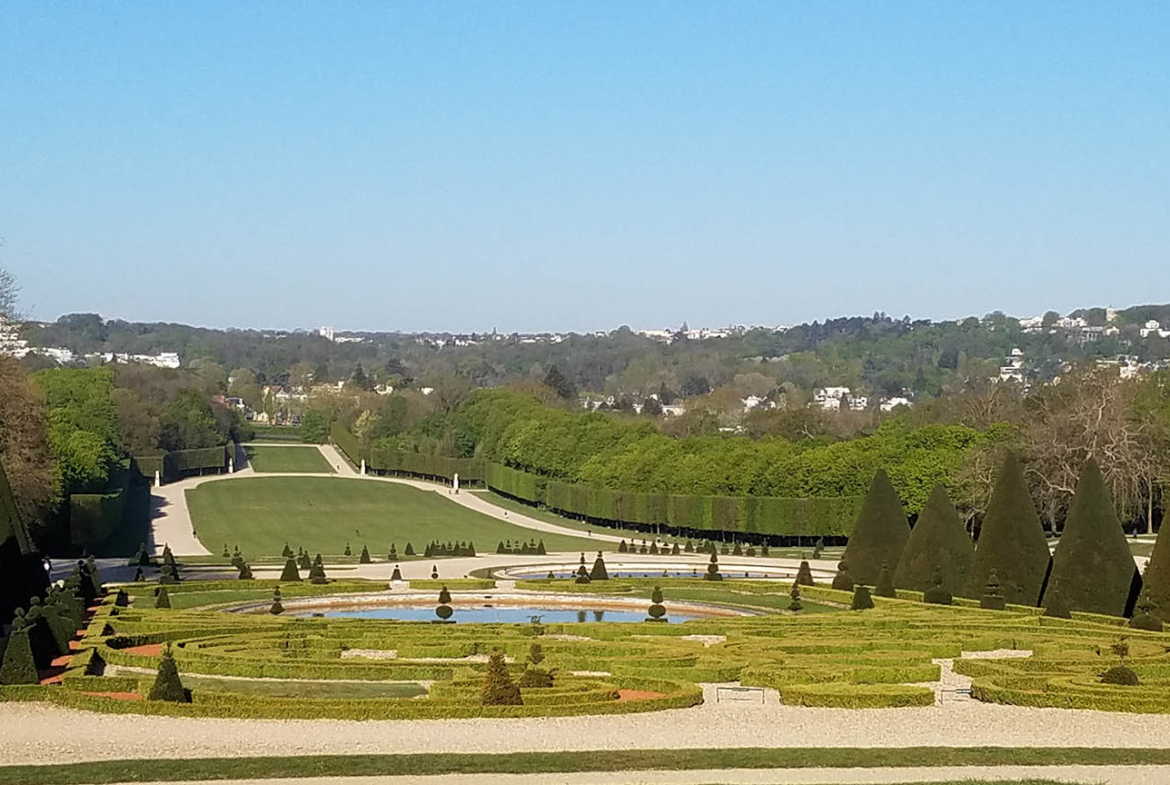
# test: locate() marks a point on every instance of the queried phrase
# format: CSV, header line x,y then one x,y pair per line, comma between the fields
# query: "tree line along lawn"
x,y
322,514
292,458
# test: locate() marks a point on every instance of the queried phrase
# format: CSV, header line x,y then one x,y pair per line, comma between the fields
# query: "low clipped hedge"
x,y
856,696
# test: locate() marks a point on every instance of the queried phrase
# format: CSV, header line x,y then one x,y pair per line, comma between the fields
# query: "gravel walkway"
x,y
36,732
1130,775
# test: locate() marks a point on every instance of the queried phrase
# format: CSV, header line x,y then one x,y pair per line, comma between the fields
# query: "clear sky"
x,y
552,165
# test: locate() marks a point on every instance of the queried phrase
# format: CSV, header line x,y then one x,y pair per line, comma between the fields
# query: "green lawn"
x,y
424,764
322,514
278,433
288,459
337,690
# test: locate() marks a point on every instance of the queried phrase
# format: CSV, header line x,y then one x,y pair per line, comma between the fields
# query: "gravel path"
x,y
40,732
1129,775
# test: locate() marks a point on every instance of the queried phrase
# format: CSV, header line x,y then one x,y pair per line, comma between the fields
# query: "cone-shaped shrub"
x,y
277,607
599,573
305,563
290,574
365,557
1156,580
861,598
1011,541
286,552
168,575
804,575
657,610
690,546
348,551
582,575
143,556
937,594
498,687
816,554
885,582
317,574
1092,570
843,580
712,573
162,599
138,576
167,685
992,598
397,574
938,543
18,666
737,550
409,551
675,550
622,547
245,571
880,533
795,605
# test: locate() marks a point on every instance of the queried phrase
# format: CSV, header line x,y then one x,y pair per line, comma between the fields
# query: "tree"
x,y
843,580
938,545
162,599
1156,581
599,573
498,687
9,291
1093,569
804,574
694,385
880,533
1011,541
25,456
18,665
290,573
167,685
559,383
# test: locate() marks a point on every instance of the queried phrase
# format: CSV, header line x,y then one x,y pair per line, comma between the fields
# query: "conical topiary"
x,y
1011,541
937,594
138,576
599,573
712,573
992,598
277,607
804,574
885,582
498,687
843,580
880,533
167,685
409,551
365,557
1156,580
861,598
245,571
816,554
317,574
290,574
657,610
18,665
286,552
162,599
938,545
143,556
622,547
795,605
676,551
1092,570
305,562
397,574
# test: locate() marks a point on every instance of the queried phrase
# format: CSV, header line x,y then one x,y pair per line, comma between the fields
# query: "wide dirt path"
x,y
36,732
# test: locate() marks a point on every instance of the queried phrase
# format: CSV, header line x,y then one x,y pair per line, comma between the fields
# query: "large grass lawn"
x,y
322,514
287,459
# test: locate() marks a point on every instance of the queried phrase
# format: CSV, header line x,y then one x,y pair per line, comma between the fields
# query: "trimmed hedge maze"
x,y
884,657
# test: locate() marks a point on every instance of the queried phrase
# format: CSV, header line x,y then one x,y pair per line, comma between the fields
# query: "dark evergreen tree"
x,y
167,685
843,580
690,546
304,563
885,582
880,533
804,575
245,571
348,550
285,552
162,599
992,598
1093,569
1156,580
599,573
365,557
938,544
397,574
498,687
560,384
795,605
277,607
434,572
861,598
290,574
409,549
1011,541
622,547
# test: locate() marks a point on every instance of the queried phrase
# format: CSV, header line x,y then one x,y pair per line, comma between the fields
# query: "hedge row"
x,y
470,470
178,463
94,516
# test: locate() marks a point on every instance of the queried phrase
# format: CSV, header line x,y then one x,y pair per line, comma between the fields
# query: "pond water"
x,y
727,575
487,614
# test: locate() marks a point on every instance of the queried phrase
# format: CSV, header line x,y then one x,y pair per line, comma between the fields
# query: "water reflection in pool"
x,y
486,614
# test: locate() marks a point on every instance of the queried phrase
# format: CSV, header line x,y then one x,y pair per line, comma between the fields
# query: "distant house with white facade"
x,y
160,360
829,398
1153,328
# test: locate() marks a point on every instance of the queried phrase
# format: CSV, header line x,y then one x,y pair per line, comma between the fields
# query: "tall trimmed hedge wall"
x,y
831,517
173,465
94,516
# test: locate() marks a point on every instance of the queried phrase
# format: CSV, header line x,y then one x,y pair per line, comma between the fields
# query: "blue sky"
x,y
531,166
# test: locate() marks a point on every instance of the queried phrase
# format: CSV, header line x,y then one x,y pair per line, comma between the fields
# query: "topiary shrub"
x,y
534,676
992,598
712,573
245,571
285,552
816,554
843,580
1011,541
804,575
1146,617
1056,608
304,563
18,665
290,573
143,558
1093,569
162,599
690,546
138,576
443,611
657,609
737,550
348,550
1120,675
365,557
599,573
622,547
880,533
582,575
795,605
498,687
167,685
434,572
276,608
317,573
937,594
885,582
396,575
938,547
861,598
409,551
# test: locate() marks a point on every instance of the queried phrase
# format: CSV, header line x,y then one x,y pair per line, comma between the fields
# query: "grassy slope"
x,y
554,762
322,514
288,459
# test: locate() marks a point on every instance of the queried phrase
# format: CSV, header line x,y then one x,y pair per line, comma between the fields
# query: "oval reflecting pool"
x,y
488,614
